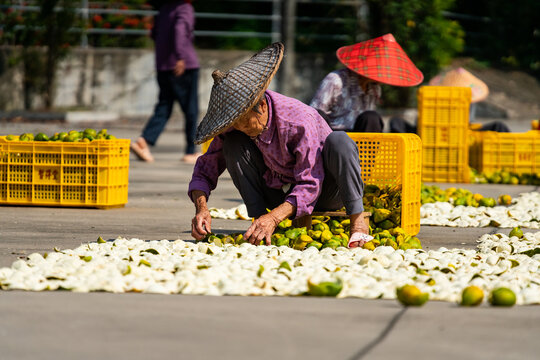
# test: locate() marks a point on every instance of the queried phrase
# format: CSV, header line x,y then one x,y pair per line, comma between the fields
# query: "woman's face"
x,y
254,122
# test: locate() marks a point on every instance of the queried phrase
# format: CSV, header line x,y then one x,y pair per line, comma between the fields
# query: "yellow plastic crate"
x,y
93,174
390,160
515,152
443,126
475,144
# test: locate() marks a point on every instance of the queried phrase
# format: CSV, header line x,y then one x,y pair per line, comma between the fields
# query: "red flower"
x,y
131,22
107,25
97,18
119,27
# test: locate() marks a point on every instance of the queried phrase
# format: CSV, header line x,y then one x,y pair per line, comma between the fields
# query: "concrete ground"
x,y
63,325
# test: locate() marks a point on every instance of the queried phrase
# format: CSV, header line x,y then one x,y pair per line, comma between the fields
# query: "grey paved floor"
x,y
64,325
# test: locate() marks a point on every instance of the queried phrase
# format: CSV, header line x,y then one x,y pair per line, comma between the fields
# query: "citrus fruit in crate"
x,y
90,132
26,137
86,135
41,137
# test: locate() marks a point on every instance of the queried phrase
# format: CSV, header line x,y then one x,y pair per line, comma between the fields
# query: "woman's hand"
x,y
201,224
261,229
179,67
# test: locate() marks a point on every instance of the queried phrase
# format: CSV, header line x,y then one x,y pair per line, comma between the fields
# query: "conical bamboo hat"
x,y
463,78
235,92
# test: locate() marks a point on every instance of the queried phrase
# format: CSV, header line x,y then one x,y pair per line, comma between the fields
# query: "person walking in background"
x,y
347,98
177,69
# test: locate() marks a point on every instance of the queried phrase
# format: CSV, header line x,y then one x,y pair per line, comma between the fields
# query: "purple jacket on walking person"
x,y
173,36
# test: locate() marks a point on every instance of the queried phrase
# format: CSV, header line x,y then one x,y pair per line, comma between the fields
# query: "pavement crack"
x,y
379,339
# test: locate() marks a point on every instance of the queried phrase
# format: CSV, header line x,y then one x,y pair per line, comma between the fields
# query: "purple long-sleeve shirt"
x,y
173,36
291,148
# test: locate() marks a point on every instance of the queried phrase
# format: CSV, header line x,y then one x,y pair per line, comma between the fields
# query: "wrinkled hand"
x,y
179,67
201,225
261,229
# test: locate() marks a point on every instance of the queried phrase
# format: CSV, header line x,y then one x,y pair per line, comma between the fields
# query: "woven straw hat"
x,y
463,78
381,59
235,92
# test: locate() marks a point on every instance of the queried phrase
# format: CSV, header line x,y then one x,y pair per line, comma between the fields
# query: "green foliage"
x,y
55,18
331,27
233,25
30,28
504,33
45,37
429,39
252,43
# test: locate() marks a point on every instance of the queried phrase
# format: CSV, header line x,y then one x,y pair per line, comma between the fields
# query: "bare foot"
x,y
191,158
359,239
359,230
142,150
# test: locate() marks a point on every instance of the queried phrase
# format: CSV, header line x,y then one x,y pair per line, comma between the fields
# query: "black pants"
x,y
342,185
173,88
398,125
498,126
368,121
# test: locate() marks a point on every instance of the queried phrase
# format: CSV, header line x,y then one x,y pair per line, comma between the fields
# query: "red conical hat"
x,y
381,59
463,78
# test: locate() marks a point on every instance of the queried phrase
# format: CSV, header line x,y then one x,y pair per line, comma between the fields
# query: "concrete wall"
x,y
123,80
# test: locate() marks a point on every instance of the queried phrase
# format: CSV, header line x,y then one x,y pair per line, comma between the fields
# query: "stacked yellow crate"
x,y
514,152
443,126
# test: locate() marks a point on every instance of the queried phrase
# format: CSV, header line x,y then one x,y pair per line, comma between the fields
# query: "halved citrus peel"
x,y
239,212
